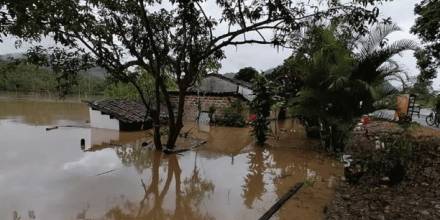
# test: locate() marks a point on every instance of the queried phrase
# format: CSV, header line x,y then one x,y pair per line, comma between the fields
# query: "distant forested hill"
x,y
30,78
97,72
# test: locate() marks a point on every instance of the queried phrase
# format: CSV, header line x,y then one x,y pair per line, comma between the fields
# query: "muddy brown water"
x,y
46,175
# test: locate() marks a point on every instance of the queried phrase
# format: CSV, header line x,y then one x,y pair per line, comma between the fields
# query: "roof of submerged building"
x,y
122,110
219,85
232,80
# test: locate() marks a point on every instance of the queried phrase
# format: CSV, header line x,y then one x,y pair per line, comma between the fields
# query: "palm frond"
x,y
377,37
393,62
382,55
387,70
382,90
402,45
338,82
369,65
402,78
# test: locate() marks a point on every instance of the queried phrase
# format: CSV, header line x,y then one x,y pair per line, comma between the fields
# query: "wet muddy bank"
x,y
46,173
416,197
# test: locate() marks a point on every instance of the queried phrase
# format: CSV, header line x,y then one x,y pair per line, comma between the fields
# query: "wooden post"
x,y
281,201
83,143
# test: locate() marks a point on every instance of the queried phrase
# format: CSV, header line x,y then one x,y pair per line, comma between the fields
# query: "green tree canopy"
x,y
246,74
427,27
66,65
261,105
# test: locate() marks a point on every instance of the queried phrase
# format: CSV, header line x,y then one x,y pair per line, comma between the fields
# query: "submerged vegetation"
x,y
261,105
232,115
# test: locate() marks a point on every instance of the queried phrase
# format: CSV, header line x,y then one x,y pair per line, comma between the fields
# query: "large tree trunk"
x,y
156,117
178,125
154,113
175,125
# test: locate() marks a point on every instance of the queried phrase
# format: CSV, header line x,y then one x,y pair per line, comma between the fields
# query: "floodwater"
x,y
46,175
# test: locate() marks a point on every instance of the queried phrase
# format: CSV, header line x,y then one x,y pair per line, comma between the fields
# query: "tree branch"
x,y
207,20
235,43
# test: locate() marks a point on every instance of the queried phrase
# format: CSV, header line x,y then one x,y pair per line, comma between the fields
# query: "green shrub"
x,y
262,104
232,116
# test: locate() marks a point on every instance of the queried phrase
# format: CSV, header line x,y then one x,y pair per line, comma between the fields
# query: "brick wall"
x,y
219,102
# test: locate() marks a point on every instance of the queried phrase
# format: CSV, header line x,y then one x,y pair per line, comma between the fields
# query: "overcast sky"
x,y
266,57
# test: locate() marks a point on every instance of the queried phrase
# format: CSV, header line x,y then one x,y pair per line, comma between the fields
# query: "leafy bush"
x,y
120,90
232,116
262,104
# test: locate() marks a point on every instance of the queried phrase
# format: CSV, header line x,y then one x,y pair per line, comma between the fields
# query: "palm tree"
x,y
341,84
374,60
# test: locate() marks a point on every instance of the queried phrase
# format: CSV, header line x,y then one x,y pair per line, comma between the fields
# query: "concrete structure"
x,y
215,91
99,120
220,101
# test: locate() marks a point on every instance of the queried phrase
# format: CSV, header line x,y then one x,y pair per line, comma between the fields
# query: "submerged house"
x,y
121,115
214,91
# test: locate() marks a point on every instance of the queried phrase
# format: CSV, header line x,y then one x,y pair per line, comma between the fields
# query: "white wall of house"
x,y
98,120
103,136
98,136
246,92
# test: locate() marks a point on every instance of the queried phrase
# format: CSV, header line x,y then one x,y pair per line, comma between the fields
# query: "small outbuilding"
x,y
121,115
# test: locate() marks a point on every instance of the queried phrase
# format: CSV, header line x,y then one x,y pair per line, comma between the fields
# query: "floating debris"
x,y
99,174
51,128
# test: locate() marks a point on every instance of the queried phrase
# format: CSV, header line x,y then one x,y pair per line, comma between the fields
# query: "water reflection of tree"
x,y
254,186
135,155
187,199
196,187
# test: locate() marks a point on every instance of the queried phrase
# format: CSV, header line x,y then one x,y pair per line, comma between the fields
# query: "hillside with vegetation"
x,y
28,78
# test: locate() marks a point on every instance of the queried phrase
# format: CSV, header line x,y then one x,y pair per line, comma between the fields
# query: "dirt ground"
x,y
416,197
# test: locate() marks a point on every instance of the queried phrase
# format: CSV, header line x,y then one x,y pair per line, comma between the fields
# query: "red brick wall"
x,y
191,106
